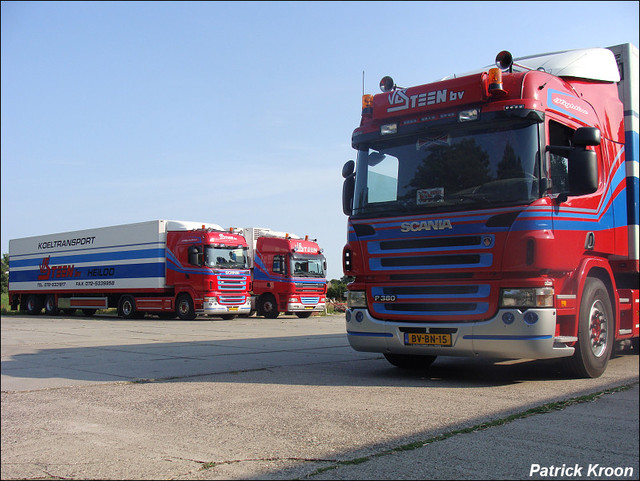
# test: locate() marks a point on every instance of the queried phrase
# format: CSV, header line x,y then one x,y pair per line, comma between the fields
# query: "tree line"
x,y
5,273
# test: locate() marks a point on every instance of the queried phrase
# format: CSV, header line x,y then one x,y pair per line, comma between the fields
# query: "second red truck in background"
x,y
288,273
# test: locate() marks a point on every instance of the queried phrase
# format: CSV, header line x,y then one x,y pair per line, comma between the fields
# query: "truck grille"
x,y
310,300
432,302
232,283
309,286
232,299
431,253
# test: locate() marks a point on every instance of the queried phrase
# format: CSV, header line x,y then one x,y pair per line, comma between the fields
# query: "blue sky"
x,y
236,113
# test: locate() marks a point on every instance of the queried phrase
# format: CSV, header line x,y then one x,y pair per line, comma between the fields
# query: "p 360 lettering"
x,y
384,298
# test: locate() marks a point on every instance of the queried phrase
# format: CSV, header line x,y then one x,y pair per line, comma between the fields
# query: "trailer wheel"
x,y
34,305
50,307
409,361
127,307
304,315
184,308
595,332
268,306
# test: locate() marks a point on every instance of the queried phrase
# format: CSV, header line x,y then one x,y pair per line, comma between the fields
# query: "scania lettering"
x,y
426,225
167,268
288,273
495,213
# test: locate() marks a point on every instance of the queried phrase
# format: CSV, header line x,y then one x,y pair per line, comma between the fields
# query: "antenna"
x,y
363,82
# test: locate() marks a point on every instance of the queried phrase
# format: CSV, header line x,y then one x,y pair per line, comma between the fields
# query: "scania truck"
x,y
495,213
162,267
288,273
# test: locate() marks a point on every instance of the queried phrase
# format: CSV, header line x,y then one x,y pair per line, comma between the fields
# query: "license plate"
x,y
233,309
308,307
427,339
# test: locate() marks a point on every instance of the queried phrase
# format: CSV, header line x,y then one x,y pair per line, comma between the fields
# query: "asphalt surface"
x,y
104,398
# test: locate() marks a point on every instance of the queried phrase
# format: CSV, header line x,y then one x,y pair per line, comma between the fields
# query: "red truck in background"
x,y
167,268
288,273
495,214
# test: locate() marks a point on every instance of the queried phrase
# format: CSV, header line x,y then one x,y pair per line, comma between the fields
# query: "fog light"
x,y
508,318
348,315
359,316
530,317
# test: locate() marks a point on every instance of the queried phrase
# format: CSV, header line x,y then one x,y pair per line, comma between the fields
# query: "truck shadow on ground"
x,y
304,360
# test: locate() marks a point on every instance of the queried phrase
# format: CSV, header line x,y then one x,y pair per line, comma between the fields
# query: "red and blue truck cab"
x,y
163,267
495,214
288,273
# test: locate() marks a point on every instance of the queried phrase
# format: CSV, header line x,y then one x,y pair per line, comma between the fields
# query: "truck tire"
x,y
409,361
50,307
268,307
595,332
304,315
184,308
33,305
127,307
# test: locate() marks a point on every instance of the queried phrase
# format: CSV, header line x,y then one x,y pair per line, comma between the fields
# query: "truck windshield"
x,y
307,265
465,168
225,257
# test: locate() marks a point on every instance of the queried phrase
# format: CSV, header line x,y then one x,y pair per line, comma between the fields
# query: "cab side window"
x,y
278,265
196,256
559,135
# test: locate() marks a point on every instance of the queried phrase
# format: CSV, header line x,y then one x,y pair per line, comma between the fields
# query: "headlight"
x,y
356,299
529,297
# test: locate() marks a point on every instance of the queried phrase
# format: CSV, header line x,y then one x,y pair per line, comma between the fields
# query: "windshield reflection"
x,y
311,266
225,257
449,170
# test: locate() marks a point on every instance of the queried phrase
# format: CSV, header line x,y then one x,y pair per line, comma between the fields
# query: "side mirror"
x,y
586,136
348,168
349,186
582,172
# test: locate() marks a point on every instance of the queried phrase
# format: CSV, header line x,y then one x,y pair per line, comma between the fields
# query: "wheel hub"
x,y
598,329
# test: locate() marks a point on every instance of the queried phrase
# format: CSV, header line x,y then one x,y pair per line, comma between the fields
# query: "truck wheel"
x,y
595,332
304,315
33,306
269,306
184,308
127,307
50,307
408,361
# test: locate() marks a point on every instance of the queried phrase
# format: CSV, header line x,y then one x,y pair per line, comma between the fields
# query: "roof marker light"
x,y
367,103
495,82
468,115
388,129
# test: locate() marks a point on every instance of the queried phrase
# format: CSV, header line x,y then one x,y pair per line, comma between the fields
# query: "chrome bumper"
x,y
494,338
